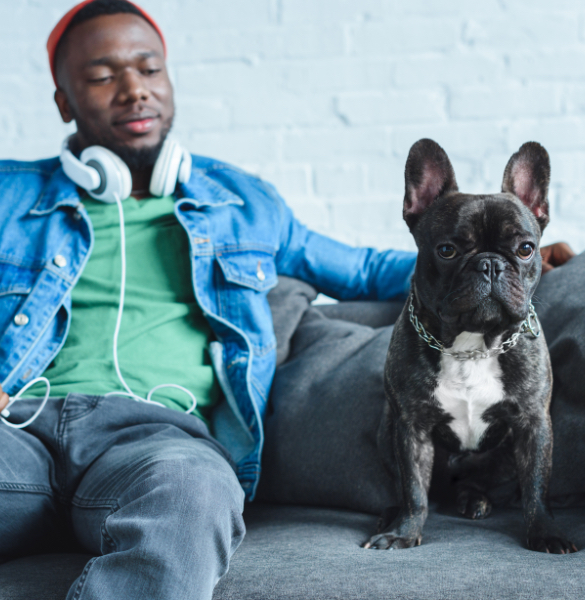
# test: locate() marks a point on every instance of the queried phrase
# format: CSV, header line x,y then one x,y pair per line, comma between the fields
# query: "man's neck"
x,y
141,183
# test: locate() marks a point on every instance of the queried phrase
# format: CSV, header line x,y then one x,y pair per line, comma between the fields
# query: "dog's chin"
x,y
484,316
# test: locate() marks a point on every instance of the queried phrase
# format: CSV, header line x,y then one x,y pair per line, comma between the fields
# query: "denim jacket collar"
x,y
200,190
59,191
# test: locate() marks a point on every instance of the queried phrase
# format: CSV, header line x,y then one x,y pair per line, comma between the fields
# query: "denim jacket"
x,y
241,235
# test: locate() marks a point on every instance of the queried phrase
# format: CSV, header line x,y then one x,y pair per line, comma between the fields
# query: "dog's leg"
x,y
387,455
414,461
533,454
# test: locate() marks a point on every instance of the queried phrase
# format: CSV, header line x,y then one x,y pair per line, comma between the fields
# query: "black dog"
x,y
467,367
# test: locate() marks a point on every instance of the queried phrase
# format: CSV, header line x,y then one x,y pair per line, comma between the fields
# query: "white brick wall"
x,y
325,97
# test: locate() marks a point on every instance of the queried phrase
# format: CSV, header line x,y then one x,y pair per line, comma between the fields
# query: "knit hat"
x,y
62,25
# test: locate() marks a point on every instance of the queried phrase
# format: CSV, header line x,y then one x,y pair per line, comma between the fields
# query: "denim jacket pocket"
x,y
250,268
247,276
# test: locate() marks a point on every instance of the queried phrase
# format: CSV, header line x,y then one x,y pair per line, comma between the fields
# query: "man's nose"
x,y
132,87
491,267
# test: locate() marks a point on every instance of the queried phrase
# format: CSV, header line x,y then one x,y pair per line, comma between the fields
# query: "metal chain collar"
x,y
529,325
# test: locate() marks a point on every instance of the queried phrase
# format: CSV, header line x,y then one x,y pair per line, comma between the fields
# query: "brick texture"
x,y
325,97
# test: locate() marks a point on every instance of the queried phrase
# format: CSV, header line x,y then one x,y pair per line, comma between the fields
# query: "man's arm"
x,y
336,269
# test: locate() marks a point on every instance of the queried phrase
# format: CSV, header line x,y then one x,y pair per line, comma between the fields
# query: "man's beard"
x,y
137,159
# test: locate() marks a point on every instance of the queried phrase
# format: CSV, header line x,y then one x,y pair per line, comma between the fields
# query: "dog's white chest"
x,y
465,389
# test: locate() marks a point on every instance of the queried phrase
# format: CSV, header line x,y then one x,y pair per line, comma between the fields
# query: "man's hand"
x,y
3,399
555,255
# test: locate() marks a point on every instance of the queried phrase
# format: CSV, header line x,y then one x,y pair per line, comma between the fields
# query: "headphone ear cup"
x,y
166,169
116,180
85,176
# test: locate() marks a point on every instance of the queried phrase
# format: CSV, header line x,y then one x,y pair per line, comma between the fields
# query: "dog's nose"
x,y
490,267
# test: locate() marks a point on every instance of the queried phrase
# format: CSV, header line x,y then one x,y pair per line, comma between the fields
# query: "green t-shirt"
x,y
164,336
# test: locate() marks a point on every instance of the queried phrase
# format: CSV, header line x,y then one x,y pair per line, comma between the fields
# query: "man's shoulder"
x,y
210,166
234,178
24,181
27,179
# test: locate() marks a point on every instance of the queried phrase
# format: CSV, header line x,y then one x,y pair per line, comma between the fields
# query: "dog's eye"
x,y
525,250
447,251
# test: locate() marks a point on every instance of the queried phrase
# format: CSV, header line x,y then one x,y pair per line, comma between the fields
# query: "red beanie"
x,y
62,25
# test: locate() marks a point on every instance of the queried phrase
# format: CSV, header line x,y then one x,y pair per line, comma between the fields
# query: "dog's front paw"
x,y
390,541
550,544
473,504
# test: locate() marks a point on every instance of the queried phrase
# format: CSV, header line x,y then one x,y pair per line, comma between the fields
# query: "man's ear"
x,y
428,175
63,106
527,176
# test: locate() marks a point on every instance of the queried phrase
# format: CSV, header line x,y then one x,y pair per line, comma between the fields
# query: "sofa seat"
x,y
304,553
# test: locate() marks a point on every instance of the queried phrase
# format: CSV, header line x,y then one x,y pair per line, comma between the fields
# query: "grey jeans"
x,y
145,489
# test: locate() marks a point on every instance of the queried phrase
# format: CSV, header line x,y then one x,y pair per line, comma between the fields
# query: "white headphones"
x,y
104,175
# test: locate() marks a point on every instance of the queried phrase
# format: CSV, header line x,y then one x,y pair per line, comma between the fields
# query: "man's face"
x,y
113,82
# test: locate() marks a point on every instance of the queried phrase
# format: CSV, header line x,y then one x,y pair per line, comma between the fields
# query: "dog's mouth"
x,y
481,315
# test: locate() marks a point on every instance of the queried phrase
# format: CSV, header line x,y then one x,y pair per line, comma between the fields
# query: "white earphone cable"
x,y
128,391
6,411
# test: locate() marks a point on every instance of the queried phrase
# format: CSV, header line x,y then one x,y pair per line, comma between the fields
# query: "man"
x,y
148,490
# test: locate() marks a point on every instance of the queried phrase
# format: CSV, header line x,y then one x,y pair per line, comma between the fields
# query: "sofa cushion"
x,y
314,554
289,301
300,553
560,304
42,577
325,408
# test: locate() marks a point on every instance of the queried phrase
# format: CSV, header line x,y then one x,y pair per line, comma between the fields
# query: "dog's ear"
x,y
428,175
527,176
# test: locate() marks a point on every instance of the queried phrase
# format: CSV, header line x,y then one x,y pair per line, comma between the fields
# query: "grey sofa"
x,y
303,553
322,484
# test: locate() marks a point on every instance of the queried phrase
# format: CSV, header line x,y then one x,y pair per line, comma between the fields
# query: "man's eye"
x,y
151,71
105,79
525,250
447,251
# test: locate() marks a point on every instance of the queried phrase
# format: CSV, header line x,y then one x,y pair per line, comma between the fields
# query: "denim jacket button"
x,y
20,319
260,273
60,261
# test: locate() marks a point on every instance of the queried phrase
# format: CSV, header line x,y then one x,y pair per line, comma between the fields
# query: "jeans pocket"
x,y
77,406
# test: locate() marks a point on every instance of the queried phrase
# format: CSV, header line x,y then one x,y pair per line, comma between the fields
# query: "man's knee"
x,y
181,502
186,482
201,482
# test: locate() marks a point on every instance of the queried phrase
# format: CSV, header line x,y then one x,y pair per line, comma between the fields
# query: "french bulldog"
x,y
468,367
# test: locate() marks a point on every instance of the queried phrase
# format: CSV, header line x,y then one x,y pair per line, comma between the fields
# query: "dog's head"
x,y
479,259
